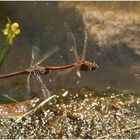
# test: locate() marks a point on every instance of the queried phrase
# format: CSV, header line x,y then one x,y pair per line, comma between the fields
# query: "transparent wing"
x,y
35,55
71,48
71,44
28,83
47,55
85,46
64,72
78,73
45,91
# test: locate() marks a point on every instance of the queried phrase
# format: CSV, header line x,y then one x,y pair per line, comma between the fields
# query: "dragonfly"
x,y
82,64
35,70
39,69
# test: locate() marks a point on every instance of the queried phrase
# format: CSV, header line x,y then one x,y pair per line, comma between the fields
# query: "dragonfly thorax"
x,y
85,67
40,70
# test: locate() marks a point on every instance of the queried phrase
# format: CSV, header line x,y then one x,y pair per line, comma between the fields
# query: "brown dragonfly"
x,y
36,71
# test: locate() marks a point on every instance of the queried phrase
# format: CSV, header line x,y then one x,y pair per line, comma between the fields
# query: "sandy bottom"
x,y
80,113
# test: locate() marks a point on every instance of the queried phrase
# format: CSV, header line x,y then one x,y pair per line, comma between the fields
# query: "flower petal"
x,y
5,31
13,35
17,31
15,25
7,25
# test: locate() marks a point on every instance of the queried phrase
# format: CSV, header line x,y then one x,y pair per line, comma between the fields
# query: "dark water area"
x,y
101,102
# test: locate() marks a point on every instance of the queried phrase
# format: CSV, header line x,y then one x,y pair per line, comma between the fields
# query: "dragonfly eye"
x,y
84,67
94,66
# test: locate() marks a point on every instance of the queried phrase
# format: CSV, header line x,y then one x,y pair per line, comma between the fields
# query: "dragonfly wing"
x,y
28,83
47,55
72,45
35,55
45,91
78,73
85,46
28,95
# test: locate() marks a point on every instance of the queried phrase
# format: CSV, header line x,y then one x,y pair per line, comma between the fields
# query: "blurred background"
x,y
113,30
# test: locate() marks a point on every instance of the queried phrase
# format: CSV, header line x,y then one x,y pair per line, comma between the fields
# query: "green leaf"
x,y
3,49
2,54
10,38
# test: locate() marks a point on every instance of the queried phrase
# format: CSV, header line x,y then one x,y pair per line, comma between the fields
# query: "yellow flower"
x,y
5,31
13,30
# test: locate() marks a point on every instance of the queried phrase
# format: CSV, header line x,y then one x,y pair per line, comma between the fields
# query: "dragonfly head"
x,y
94,66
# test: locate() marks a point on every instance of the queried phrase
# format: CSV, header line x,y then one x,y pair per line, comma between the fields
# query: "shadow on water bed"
x,y
80,113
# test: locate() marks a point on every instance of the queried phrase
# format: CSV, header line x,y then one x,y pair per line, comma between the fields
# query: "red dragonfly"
x,y
81,64
35,70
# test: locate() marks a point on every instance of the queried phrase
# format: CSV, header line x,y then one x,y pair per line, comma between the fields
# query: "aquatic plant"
x,y
10,31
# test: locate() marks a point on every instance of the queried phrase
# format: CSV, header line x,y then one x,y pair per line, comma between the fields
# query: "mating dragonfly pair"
x,y
36,70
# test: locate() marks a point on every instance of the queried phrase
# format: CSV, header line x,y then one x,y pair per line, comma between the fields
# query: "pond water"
x,y
97,102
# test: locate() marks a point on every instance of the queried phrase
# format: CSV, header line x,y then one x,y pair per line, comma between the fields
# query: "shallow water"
x,y
110,105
